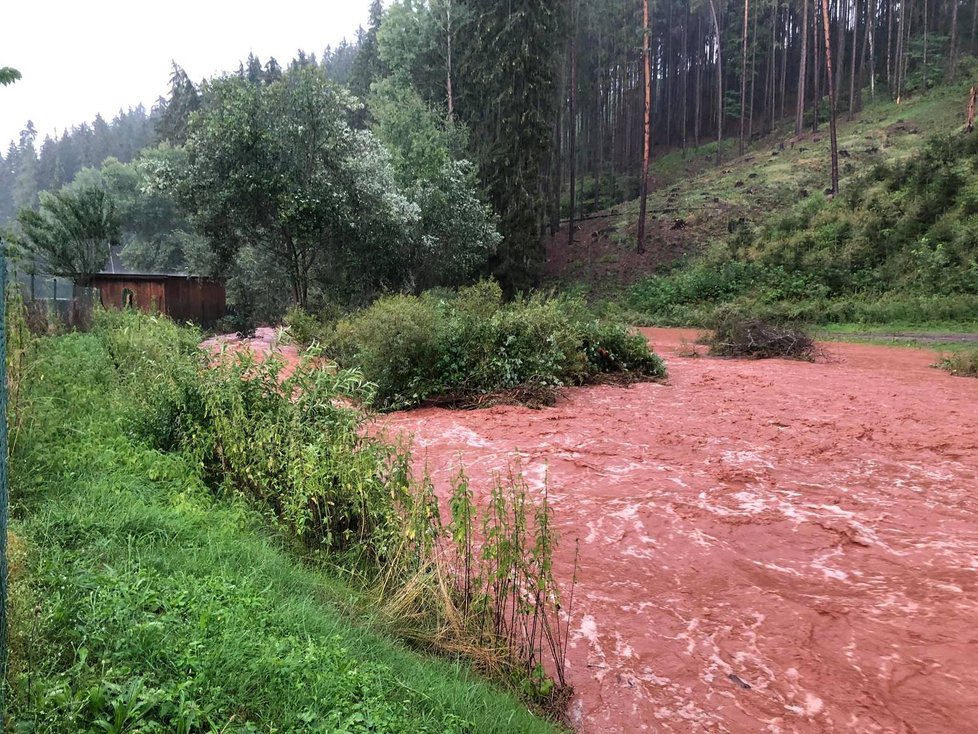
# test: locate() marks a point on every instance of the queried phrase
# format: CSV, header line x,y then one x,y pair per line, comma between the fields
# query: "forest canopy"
x,y
450,136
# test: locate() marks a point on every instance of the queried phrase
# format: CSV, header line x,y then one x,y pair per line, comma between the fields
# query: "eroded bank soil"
x,y
765,546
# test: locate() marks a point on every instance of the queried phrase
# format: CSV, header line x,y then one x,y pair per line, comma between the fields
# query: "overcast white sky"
x,y
82,58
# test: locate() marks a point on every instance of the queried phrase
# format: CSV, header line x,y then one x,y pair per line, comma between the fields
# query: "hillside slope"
x,y
694,204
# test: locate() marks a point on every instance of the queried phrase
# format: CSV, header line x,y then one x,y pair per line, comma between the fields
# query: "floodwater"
x,y
765,546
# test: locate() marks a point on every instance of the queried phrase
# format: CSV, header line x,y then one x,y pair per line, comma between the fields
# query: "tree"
x,y
368,65
647,137
72,232
833,134
276,172
455,233
8,76
510,56
743,83
183,101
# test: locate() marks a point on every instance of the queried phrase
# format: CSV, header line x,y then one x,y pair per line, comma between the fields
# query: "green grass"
x,y
142,603
922,335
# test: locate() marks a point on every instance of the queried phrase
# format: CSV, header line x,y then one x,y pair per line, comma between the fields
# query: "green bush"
x,y
301,327
461,347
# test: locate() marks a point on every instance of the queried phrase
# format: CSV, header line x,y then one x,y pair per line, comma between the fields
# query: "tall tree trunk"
x,y
448,75
818,42
898,61
772,65
743,82
698,92
802,70
832,103
926,24
753,74
647,51
785,41
890,76
572,122
952,64
852,67
842,21
871,33
720,111
684,79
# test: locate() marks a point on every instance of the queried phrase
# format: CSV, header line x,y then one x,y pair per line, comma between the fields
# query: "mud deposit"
x,y
765,546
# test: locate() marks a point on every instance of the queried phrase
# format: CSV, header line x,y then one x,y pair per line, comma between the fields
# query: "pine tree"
x,y
367,66
511,54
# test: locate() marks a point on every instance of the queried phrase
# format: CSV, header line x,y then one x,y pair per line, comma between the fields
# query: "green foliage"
x,y
468,347
139,603
302,328
72,232
8,75
276,167
964,363
455,232
509,61
368,66
899,237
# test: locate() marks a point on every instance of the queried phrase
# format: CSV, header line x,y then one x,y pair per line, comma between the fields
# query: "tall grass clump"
x,y
470,348
483,586
962,364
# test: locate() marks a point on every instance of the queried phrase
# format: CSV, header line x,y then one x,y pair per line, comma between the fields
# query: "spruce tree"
x,y
509,72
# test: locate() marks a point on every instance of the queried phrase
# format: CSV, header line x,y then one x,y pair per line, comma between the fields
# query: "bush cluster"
x,y
464,347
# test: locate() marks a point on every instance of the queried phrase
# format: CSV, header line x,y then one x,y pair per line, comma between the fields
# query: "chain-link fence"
x,y
54,303
4,497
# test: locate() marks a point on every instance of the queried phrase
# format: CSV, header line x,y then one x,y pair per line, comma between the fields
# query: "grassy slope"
x,y
142,604
765,180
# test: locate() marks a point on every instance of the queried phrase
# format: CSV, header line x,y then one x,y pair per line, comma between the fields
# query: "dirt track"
x,y
765,546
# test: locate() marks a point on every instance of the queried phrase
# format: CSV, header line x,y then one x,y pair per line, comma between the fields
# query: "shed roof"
x,y
116,266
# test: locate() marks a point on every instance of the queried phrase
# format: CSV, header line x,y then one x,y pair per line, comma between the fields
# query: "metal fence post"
x,y
4,497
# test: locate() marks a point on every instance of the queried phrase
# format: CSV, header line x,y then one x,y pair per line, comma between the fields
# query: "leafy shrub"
x,y
395,343
738,334
302,327
963,364
471,347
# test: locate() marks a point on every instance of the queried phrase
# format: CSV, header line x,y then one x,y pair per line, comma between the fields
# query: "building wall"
x,y
182,299
194,299
147,295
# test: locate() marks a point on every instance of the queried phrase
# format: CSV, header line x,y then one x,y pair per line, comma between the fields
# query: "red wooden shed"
x,y
181,297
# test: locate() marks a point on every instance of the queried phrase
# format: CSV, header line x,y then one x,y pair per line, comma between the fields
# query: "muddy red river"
x,y
765,546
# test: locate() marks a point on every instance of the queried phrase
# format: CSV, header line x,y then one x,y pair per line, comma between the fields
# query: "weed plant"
x,y
738,334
